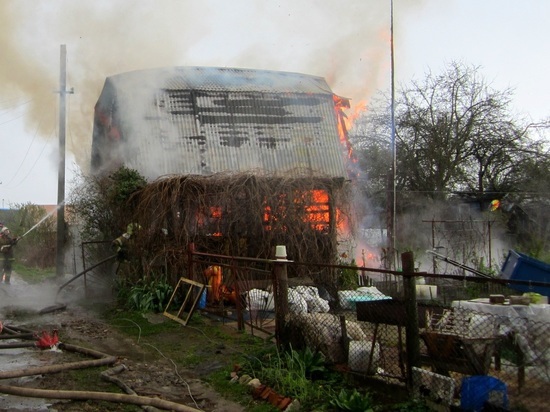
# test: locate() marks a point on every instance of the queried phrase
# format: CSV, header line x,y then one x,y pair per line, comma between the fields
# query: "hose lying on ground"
x,y
17,345
102,359
109,376
97,396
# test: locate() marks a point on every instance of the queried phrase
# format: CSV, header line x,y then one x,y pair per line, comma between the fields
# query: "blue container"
x,y
202,300
518,266
477,391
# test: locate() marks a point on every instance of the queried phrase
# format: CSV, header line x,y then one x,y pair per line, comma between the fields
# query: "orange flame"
x,y
368,257
315,204
357,111
215,212
318,210
346,121
210,219
340,104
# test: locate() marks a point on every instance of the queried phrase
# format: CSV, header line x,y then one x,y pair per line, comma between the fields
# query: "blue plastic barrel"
x,y
519,266
477,391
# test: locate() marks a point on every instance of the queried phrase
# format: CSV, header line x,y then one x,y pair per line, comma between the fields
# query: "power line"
x,y
24,157
35,135
16,106
34,164
13,119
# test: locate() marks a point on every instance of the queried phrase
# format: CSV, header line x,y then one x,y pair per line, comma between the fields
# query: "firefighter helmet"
x,y
132,228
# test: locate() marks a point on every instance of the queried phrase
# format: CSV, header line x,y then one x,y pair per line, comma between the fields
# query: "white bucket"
x,y
426,292
359,354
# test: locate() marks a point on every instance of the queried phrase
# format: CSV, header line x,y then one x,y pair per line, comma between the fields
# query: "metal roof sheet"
x,y
222,79
203,120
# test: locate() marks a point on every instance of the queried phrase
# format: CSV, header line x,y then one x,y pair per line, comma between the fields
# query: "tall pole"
x,y
61,235
393,145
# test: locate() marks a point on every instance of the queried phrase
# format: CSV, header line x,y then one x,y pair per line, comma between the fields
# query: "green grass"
x,y
77,379
201,337
32,274
137,325
205,344
214,351
202,344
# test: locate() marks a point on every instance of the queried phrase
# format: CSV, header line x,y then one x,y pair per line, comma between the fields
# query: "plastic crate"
x,y
518,266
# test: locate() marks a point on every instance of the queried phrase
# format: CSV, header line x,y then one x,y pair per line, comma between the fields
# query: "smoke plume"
x,y
347,43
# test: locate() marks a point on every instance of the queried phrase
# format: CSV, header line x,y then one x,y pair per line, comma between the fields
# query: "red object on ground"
x,y
47,341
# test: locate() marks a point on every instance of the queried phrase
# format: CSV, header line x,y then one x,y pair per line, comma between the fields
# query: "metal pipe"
x,y
460,265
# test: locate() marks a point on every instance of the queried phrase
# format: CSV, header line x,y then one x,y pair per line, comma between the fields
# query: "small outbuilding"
x,y
238,160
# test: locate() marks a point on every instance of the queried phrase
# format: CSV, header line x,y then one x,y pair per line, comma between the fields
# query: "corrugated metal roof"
x,y
203,120
223,79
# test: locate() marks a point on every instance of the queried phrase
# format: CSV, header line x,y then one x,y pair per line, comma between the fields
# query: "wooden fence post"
x,y
280,280
190,255
412,332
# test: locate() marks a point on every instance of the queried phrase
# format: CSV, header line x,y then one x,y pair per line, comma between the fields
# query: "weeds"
x,y
312,362
147,297
353,401
301,375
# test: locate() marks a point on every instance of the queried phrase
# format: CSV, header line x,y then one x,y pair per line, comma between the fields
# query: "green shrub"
x,y
147,297
311,362
301,375
347,277
353,401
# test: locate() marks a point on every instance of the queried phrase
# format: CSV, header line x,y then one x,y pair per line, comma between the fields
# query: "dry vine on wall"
x,y
238,214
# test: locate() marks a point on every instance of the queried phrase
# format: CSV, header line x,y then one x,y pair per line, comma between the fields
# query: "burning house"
x,y
239,160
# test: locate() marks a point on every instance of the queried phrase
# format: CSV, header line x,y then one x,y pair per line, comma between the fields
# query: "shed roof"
x,y
205,120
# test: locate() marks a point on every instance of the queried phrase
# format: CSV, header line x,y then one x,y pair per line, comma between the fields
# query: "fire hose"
x,y
97,396
101,359
86,271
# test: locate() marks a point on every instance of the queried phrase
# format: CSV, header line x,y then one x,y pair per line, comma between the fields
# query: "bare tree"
x,y
454,134
450,128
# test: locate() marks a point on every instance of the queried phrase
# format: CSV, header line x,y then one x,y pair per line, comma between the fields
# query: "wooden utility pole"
x,y
61,229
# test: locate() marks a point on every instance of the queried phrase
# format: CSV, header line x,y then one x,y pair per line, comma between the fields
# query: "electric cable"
x,y
35,135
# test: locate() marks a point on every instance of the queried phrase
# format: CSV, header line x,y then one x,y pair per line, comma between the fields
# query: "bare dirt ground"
x,y
147,370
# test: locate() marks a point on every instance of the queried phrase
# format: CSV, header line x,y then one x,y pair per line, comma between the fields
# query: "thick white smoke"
x,y
345,42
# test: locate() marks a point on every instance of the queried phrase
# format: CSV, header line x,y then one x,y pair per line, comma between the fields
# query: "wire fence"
x,y
453,340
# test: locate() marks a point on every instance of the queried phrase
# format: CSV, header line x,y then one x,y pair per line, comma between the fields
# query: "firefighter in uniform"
x,y
120,244
7,242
